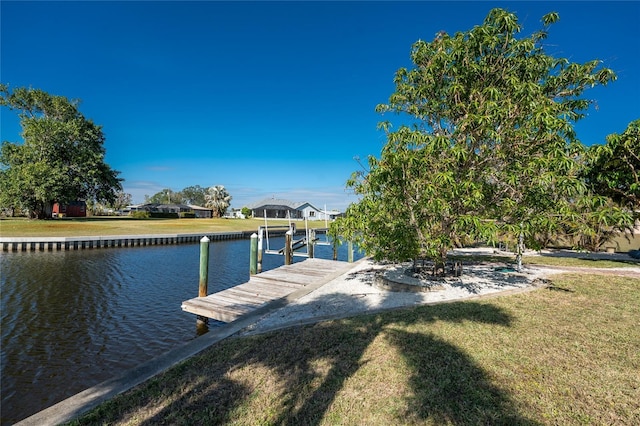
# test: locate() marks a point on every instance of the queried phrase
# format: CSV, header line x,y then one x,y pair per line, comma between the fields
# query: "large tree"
x,y
122,200
218,199
194,195
61,158
613,169
486,147
166,196
612,175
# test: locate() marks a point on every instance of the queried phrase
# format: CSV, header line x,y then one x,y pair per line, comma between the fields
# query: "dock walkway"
x,y
267,290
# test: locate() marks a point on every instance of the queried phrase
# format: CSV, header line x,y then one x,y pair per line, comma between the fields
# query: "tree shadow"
x,y
488,277
448,386
310,365
476,276
595,257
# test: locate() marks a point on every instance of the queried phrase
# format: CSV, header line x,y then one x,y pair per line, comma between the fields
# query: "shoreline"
x,y
24,244
21,244
350,294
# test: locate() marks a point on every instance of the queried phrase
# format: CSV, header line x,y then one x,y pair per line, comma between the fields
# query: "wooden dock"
x,y
266,288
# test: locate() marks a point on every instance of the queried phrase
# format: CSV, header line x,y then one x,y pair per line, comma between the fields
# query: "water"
x,y
72,319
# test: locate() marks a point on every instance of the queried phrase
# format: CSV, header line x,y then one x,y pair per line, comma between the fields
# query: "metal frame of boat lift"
x,y
310,235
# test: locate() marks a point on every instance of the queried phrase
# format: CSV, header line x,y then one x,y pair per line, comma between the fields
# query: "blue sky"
x,y
270,98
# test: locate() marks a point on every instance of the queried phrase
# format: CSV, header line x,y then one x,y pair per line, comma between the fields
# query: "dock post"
x,y
350,251
202,322
204,267
312,243
288,237
260,236
253,255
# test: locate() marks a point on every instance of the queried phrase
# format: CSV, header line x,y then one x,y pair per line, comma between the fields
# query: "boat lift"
x,y
311,235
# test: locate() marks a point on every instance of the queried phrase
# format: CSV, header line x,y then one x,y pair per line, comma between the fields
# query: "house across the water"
x,y
72,209
181,210
274,208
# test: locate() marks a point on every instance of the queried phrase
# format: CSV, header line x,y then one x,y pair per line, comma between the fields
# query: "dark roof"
x,y
274,202
278,204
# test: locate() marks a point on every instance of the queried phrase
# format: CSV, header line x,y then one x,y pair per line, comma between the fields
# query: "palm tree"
x,y
218,199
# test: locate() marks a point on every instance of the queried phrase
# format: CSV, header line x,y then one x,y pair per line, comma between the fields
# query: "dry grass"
x,y
99,226
568,354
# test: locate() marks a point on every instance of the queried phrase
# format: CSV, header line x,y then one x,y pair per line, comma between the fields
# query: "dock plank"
x,y
224,313
234,303
262,289
248,296
276,283
268,290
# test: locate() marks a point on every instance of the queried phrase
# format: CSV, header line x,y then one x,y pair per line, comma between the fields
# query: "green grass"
x,y
579,262
99,226
568,354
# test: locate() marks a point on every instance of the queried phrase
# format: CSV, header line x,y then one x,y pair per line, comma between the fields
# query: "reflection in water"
x,y
72,319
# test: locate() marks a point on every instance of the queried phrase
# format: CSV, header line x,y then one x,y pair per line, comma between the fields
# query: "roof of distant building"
x,y
294,205
276,202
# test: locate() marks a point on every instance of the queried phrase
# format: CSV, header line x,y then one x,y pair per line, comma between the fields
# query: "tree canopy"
x,y
166,196
613,169
486,146
192,195
61,158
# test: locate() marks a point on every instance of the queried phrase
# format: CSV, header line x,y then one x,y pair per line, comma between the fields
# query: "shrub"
x,y
140,215
162,215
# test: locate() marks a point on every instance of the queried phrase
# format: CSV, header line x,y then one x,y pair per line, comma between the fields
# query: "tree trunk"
x,y
520,251
42,211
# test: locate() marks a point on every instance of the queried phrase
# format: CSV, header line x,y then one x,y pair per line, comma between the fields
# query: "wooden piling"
x,y
253,255
204,267
311,243
202,323
288,249
350,251
260,236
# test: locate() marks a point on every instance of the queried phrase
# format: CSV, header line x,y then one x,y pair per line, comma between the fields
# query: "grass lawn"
x,y
99,226
568,354
578,262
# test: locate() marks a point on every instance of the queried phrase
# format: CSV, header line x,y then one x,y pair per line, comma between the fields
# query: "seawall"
x,y
18,244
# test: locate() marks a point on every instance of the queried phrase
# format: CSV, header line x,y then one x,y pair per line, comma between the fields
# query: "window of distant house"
x,y
312,213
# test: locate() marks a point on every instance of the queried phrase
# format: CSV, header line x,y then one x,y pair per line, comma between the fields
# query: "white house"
x,y
329,214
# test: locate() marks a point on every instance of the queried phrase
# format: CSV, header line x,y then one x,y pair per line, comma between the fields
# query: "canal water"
x,y
72,319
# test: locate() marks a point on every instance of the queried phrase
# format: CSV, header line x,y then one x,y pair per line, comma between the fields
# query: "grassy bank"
x,y
565,355
100,226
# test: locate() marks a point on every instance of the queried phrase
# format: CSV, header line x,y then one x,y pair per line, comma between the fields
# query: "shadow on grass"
x,y
449,388
308,366
590,259
594,258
